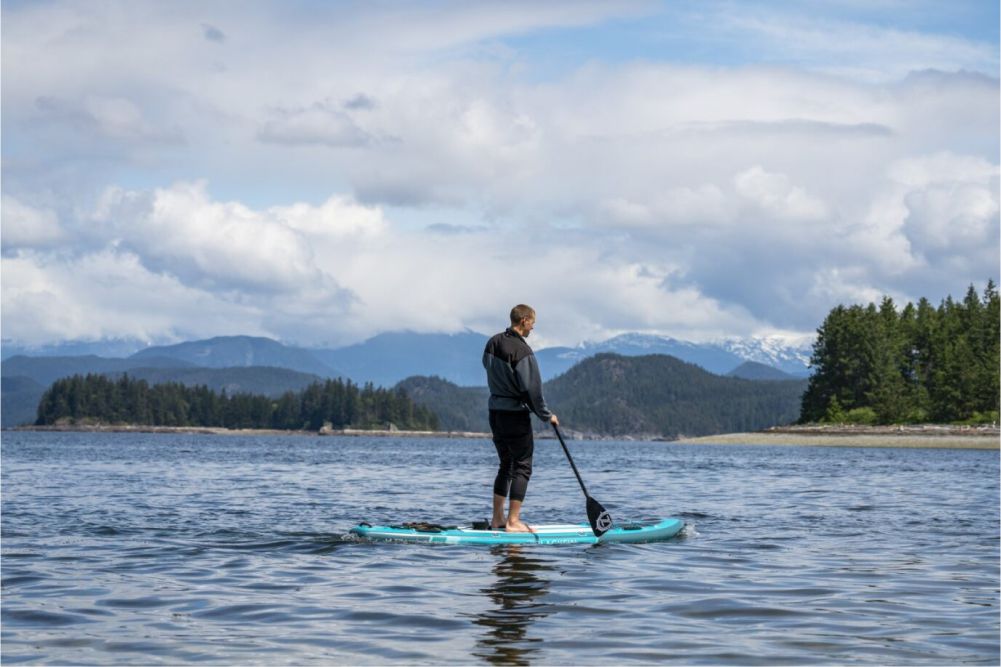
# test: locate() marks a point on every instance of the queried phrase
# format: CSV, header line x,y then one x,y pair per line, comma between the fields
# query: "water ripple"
x,y
162,549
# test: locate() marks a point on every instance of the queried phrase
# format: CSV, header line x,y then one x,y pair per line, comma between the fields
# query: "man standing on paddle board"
x,y
515,393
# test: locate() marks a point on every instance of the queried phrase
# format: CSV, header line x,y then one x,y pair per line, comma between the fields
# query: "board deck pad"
x,y
567,533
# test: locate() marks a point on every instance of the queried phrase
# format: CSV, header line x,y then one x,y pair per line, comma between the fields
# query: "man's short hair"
x,y
521,312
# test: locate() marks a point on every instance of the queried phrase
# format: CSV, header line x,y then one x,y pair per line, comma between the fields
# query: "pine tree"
x,y
917,364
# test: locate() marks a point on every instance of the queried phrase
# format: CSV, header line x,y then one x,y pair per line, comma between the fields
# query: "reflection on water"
x,y
517,595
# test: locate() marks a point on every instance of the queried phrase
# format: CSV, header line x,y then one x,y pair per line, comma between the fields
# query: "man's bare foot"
x,y
519,527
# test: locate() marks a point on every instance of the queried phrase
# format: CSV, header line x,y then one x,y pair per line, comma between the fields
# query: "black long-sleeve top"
x,y
513,375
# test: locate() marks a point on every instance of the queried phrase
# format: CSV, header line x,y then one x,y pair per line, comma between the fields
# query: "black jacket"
x,y
513,375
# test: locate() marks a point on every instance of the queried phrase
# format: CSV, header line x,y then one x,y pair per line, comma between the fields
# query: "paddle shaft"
x,y
570,459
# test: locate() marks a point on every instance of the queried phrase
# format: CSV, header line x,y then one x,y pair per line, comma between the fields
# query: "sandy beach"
x,y
919,436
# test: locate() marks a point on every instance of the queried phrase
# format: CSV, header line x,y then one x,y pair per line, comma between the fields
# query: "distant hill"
x,y
752,370
259,380
46,370
19,402
390,357
111,348
237,351
663,396
613,395
458,408
554,361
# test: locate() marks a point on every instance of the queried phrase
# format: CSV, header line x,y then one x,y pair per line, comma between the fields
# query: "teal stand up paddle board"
x,y
580,533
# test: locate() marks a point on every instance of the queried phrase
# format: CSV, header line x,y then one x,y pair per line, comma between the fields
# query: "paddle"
x,y
597,515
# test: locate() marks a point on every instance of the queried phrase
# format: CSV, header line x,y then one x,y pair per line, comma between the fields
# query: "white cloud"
x,y
943,167
320,124
117,117
169,255
28,227
950,207
707,204
338,218
212,244
694,200
776,195
110,294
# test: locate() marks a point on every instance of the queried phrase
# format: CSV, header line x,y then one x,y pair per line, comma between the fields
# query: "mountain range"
x,y
610,395
383,360
390,357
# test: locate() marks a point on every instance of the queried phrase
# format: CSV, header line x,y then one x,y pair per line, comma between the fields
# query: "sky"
x,y
320,172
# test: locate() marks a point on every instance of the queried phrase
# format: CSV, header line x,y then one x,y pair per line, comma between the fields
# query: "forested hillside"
x,y
458,408
99,399
917,364
663,396
611,395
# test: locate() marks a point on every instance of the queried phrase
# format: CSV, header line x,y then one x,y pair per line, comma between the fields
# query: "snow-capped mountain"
x,y
388,358
789,355
718,357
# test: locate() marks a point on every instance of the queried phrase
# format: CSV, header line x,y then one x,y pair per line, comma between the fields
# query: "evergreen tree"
x,y
96,398
921,363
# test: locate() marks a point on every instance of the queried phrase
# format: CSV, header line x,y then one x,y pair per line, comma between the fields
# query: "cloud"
x,y
110,117
219,245
360,102
332,273
213,34
794,126
319,124
111,294
26,227
950,208
775,194
663,193
704,205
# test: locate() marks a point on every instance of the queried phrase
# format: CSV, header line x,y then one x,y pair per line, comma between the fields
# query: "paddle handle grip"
x,y
570,459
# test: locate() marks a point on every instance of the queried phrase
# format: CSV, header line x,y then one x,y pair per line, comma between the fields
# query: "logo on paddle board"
x,y
604,521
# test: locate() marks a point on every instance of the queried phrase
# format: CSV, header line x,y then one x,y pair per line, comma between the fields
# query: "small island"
x,y
102,403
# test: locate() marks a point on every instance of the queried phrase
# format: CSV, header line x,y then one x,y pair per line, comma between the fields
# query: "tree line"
x,y
97,398
878,364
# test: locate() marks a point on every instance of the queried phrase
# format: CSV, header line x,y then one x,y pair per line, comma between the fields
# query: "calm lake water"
x,y
166,549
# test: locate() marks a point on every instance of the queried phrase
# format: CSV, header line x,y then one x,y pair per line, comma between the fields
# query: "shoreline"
x,y
220,430
927,436
921,436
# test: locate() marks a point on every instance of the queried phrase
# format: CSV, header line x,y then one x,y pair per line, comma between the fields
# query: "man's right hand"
x,y
554,421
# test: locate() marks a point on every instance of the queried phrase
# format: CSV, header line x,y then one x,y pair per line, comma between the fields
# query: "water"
x,y
166,549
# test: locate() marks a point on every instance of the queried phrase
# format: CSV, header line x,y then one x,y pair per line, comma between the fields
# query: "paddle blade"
x,y
598,516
